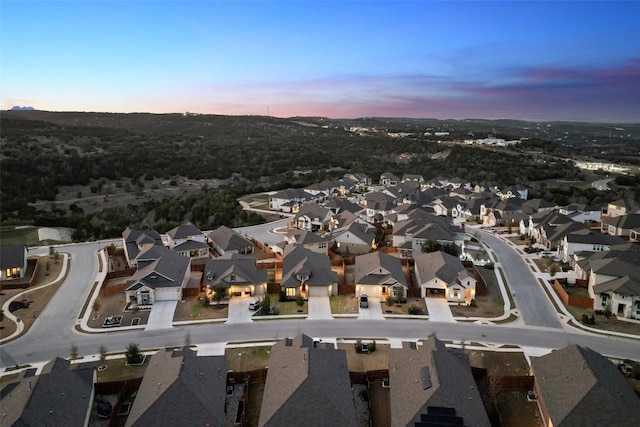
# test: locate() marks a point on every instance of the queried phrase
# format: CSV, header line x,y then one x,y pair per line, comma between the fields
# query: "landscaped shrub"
x,y
282,296
133,354
414,310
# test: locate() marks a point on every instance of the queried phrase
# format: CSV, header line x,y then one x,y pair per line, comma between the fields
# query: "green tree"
x,y
220,291
133,354
299,301
103,354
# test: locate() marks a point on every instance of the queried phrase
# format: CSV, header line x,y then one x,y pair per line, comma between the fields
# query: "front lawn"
x,y
344,304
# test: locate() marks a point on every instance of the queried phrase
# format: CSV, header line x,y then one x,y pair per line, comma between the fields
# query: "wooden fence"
x,y
572,300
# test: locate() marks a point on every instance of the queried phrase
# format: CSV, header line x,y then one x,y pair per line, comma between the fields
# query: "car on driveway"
x,y
364,301
254,304
546,254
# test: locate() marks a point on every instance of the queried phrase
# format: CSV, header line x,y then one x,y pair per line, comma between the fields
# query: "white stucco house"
x,y
441,273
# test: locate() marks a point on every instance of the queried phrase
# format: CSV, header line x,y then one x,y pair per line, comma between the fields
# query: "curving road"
x,y
602,184
53,333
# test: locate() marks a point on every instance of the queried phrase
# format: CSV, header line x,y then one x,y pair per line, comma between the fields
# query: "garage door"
x,y
318,291
370,290
241,290
171,294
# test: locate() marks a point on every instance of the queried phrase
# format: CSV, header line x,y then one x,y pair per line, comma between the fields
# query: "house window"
x,y
322,245
291,292
604,298
598,248
232,278
145,298
456,294
384,289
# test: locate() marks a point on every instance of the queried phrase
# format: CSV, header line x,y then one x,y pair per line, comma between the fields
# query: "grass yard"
x,y
241,359
601,322
118,370
288,307
499,363
404,308
359,362
489,305
192,309
27,235
344,304
517,411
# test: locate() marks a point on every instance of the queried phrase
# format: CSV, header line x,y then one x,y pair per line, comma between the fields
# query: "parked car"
x,y
254,304
546,254
364,301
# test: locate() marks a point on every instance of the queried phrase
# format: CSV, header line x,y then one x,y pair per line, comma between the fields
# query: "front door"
x,y
621,309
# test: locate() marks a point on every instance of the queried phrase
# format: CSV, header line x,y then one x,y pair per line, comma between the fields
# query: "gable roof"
x,y
313,210
625,222
307,385
159,267
581,387
441,265
242,266
588,236
624,285
180,388
61,395
184,231
12,256
430,375
535,205
133,239
228,239
379,201
307,262
378,268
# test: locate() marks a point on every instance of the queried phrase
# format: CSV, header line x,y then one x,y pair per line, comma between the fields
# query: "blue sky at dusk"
x,y
525,60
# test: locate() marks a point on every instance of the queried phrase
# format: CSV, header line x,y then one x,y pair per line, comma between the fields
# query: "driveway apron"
x,y
239,310
374,312
439,310
161,316
319,308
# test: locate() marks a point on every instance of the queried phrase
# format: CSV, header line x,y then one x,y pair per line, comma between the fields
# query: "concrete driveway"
x,y
439,310
161,316
319,308
374,312
239,310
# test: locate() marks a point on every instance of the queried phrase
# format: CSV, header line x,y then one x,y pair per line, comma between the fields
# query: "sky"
x,y
538,60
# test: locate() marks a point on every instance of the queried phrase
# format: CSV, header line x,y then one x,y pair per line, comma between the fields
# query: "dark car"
x,y
364,301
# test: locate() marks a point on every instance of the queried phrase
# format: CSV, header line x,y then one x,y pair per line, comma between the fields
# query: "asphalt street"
x,y
53,333
530,299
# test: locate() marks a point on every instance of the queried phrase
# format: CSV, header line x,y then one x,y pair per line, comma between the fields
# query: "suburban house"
x,y
620,225
614,279
308,240
323,189
13,261
445,206
161,275
581,212
135,241
181,388
380,275
441,273
62,395
225,240
307,273
410,177
362,180
307,384
387,178
238,273
288,200
577,386
538,205
585,240
634,235
621,207
410,235
429,385
378,206
517,191
189,241
312,217
355,239
535,224
338,206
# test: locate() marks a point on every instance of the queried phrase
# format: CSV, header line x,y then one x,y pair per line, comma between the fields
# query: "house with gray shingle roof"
x,y
378,205
424,228
431,385
287,200
226,240
356,238
577,386
614,279
135,241
439,272
585,240
180,388
388,178
189,241
161,275
538,205
307,384
312,217
62,395
580,212
307,273
13,261
620,225
380,275
308,240
238,273
622,207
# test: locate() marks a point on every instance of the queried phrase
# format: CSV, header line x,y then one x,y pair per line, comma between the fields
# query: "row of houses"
x,y
308,382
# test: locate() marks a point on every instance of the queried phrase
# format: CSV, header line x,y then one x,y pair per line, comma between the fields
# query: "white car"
x,y
254,304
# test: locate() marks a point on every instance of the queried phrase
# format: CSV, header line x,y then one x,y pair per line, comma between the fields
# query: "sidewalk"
x,y
439,310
